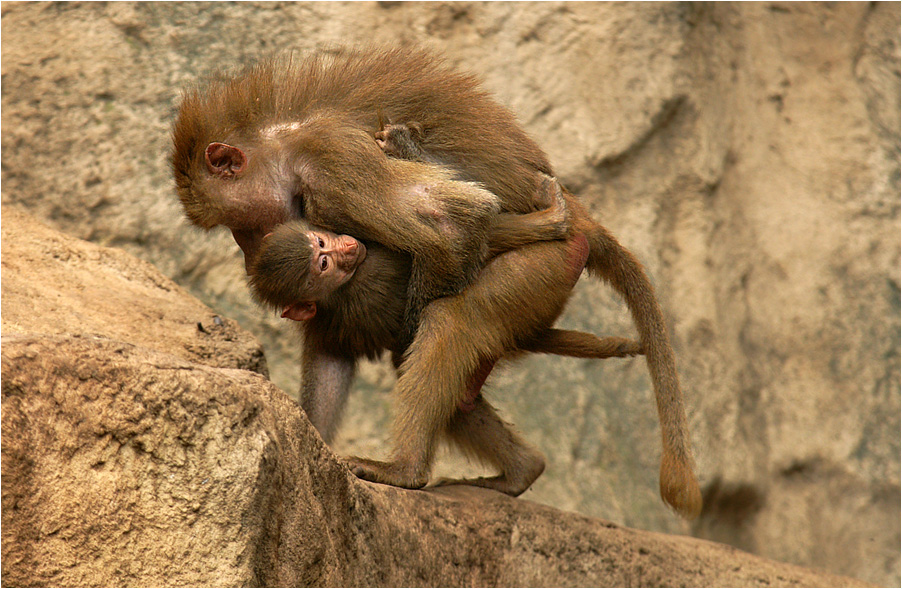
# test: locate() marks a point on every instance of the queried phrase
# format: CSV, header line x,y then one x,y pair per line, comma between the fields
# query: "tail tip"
x,y
680,490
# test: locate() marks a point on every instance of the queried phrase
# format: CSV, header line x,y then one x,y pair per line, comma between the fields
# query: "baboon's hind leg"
x,y
482,434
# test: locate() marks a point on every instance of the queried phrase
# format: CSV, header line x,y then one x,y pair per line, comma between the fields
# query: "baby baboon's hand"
x,y
401,141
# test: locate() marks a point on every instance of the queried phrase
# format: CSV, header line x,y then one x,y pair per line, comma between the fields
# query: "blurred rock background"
x,y
747,153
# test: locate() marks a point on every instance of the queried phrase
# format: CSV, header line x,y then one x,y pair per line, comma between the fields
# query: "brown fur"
x,y
609,260
301,126
363,317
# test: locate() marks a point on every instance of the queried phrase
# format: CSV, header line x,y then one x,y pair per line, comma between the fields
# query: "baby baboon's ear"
x,y
303,311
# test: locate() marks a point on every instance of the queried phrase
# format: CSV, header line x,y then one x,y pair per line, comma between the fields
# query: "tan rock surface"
x,y
123,466
748,153
53,284
126,464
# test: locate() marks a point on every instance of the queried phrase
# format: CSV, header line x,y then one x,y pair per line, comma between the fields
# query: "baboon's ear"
x,y
303,311
224,159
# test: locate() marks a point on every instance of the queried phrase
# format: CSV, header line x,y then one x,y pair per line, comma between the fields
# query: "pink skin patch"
x,y
578,254
468,403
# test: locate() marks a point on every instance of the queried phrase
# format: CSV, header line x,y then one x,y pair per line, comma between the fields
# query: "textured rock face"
x,y
747,153
123,466
53,284
127,463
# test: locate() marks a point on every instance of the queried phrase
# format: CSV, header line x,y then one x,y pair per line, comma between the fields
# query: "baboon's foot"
x,y
499,483
517,478
557,213
624,348
388,473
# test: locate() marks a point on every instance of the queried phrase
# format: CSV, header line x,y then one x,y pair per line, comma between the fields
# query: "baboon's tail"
x,y
617,266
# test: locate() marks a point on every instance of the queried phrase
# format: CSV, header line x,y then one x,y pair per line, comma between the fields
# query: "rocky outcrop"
x,y
53,284
748,153
129,461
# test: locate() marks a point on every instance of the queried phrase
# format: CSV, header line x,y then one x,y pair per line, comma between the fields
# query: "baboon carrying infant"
x,y
292,139
301,269
351,298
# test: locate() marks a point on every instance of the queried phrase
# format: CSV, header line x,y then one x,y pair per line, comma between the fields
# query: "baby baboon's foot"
x,y
388,473
556,213
627,347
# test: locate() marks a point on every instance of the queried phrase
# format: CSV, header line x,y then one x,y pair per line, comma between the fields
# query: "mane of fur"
x,y
461,122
